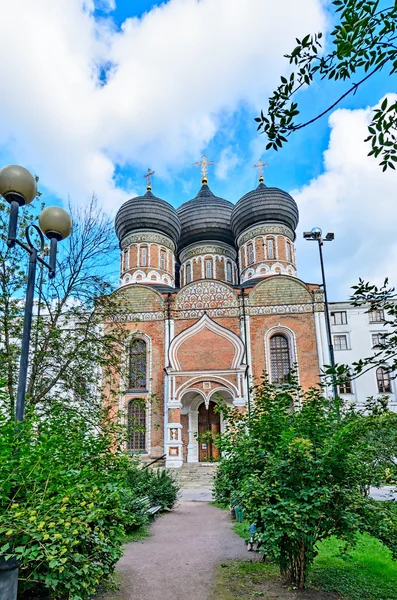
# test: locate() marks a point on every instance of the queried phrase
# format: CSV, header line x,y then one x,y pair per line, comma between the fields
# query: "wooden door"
x,y
208,421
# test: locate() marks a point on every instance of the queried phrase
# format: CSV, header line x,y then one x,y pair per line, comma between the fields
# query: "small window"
x,y
288,252
188,273
251,258
345,387
383,380
143,257
340,342
377,316
376,339
137,365
136,424
162,260
126,259
208,269
280,358
339,318
228,271
270,248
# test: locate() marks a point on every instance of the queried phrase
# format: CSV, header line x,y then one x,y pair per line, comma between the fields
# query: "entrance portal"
x,y
209,426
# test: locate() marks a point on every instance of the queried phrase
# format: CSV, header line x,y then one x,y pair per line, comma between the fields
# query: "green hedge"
x,y
67,498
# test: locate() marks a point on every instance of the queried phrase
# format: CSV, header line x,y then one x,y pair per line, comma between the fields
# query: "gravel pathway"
x,y
177,562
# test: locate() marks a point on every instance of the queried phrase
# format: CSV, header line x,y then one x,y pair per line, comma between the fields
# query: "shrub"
x,y
299,473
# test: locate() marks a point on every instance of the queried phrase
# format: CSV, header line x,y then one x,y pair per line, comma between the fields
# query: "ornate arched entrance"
x,y
209,427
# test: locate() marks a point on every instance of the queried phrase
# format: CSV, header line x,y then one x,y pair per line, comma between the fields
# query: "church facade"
x,y
212,301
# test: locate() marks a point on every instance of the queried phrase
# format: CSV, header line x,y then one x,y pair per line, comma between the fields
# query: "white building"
x,y
355,332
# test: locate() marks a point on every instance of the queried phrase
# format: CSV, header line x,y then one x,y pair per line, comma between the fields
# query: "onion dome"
x,y
205,218
264,205
147,212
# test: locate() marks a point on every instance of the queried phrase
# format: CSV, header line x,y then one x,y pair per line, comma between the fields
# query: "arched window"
x,y
143,257
270,248
383,379
137,365
208,269
280,358
228,271
251,258
162,260
288,251
188,273
136,424
126,259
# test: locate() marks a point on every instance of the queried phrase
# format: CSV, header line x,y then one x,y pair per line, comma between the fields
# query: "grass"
x,y
367,572
138,535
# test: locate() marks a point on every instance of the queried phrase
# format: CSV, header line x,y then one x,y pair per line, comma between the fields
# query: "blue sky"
x,y
184,79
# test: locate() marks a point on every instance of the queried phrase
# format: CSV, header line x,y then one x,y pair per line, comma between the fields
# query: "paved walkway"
x,y
177,562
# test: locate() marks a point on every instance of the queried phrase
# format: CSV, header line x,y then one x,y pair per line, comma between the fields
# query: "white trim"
x,y
292,347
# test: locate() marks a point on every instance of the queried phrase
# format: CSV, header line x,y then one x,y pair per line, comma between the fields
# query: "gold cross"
x,y
260,166
204,163
148,176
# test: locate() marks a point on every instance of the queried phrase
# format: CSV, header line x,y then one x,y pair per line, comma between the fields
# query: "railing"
x,y
154,461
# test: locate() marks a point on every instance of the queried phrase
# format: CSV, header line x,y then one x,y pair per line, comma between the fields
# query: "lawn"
x,y
366,573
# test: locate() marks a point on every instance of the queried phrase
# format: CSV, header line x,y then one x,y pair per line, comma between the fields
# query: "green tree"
x,y
362,43
376,299
301,473
72,351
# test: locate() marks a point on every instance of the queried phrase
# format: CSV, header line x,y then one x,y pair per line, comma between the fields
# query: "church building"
x,y
213,301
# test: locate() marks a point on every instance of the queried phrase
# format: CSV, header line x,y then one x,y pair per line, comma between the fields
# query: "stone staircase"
x,y
196,475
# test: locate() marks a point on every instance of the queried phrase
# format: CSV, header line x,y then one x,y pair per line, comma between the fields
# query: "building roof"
x,y
206,217
264,205
147,212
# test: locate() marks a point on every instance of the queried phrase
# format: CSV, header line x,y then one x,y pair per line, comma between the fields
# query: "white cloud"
x,y
227,162
171,76
357,201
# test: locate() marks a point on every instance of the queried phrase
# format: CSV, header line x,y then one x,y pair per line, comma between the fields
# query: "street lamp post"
x,y
18,187
316,235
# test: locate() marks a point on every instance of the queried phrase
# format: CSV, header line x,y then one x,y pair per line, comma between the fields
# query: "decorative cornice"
x,y
200,249
134,317
148,237
275,229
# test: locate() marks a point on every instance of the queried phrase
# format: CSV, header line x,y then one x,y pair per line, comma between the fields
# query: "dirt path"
x,y
178,561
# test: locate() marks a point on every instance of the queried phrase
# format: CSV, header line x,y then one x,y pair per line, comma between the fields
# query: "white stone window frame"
x,y
125,398
342,334
291,338
271,255
288,250
229,271
188,272
144,252
209,267
162,259
251,252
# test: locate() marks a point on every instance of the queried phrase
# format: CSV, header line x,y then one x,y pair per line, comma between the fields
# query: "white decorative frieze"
x,y
148,237
139,316
265,230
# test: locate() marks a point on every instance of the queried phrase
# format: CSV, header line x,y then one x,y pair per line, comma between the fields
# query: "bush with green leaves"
x,y
300,472
159,485
67,498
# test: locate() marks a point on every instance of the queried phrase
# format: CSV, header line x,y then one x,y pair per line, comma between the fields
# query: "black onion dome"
x,y
205,218
147,212
264,204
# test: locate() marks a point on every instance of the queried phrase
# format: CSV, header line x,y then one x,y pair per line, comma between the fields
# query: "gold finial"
x,y
260,166
204,163
148,176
